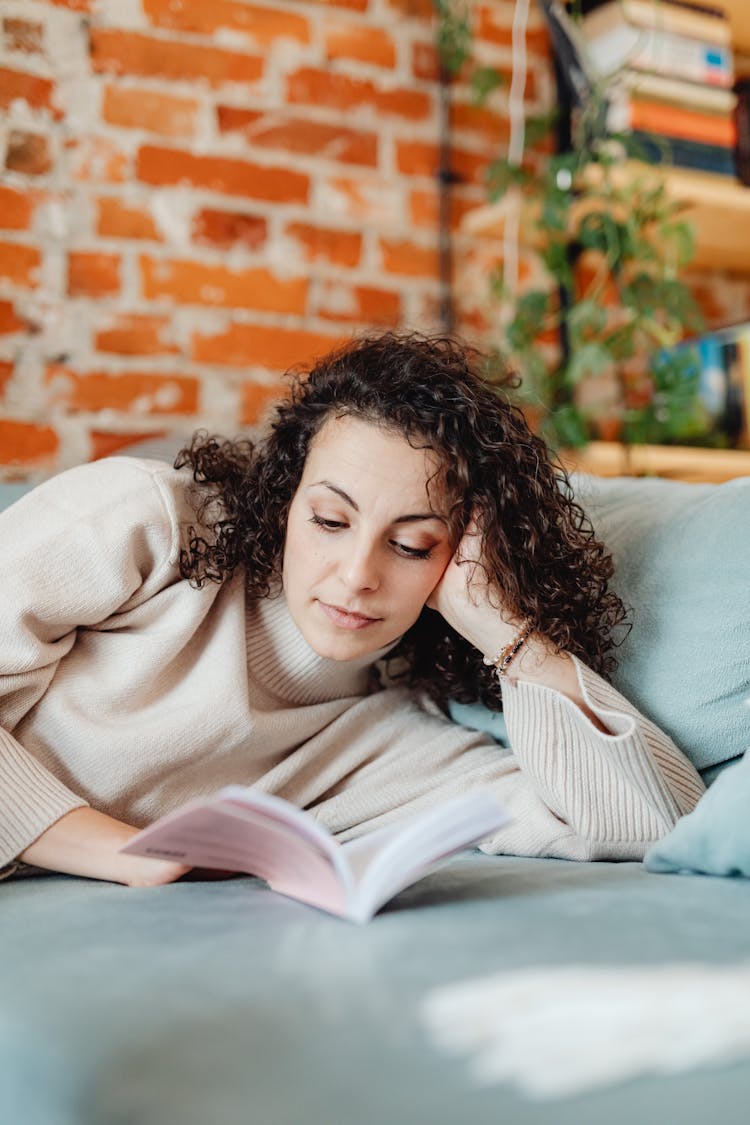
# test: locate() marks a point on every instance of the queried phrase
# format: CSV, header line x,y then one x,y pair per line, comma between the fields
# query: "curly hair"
x,y
538,545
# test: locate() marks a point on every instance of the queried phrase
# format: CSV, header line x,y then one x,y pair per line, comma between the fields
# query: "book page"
x,y
218,834
393,857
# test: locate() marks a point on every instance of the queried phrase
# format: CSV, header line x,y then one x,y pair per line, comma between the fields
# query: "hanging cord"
x,y
516,143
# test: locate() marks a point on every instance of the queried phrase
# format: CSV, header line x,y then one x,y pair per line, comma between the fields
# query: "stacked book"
x,y
720,361
670,71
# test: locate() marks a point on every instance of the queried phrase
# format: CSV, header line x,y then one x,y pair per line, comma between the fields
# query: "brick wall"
x,y
197,194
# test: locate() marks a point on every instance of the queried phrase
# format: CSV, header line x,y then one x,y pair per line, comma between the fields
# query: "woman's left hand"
x,y
470,602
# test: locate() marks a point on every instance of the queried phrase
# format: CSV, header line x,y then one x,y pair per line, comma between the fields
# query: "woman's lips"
x,y
346,619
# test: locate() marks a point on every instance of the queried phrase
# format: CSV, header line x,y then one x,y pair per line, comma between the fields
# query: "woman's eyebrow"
x,y
411,518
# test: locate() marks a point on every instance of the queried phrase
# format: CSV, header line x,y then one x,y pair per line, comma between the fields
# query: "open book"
x,y
239,829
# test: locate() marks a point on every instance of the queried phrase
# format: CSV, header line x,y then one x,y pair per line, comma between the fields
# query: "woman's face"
x,y
366,539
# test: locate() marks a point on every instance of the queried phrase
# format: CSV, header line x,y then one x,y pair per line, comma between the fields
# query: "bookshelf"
x,y
717,207
686,463
738,12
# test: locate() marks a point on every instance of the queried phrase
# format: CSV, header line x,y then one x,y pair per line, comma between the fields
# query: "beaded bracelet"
x,y
504,658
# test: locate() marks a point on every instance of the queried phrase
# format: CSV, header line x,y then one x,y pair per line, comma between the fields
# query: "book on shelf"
x,y
680,17
717,159
633,113
658,50
720,361
245,830
644,85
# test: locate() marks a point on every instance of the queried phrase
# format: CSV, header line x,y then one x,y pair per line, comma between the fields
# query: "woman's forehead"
x,y
356,450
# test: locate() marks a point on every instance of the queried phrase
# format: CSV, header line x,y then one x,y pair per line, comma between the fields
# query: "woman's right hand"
x,y
86,842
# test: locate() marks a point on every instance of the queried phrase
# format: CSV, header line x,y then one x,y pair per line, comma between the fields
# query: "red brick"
x,y
125,52
9,322
98,160
92,274
425,62
257,345
350,5
408,258
366,200
339,247
193,283
136,334
138,392
362,304
23,35
341,92
145,109
480,119
74,5
216,173
424,208
205,17
118,220
24,443
30,88
495,26
6,373
229,228
19,264
105,444
414,9
361,42
299,135
28,153
420,158
16,209
255,400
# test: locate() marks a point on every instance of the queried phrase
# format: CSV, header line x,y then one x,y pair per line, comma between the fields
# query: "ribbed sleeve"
x,y
77,549
31,799
618,791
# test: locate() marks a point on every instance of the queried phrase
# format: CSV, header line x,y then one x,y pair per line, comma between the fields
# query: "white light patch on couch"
x,y
557,1031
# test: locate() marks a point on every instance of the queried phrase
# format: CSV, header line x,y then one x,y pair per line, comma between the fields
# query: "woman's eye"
x,y
413,552
327,525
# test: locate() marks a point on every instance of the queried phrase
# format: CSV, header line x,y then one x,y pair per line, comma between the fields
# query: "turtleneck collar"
x,y
282,660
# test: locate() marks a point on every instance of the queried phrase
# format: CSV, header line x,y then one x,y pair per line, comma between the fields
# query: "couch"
x,y
220,1003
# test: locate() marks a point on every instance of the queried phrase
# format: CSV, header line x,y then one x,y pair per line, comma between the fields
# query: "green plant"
x,y
593,332
611,246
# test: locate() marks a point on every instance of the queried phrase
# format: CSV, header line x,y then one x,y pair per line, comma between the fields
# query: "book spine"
x,y
685,154
663,53
742,119
699,22
675,91
723,388
690,125
743,343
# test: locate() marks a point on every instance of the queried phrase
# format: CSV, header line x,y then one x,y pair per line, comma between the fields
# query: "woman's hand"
x,y
473,606
87,842
470,603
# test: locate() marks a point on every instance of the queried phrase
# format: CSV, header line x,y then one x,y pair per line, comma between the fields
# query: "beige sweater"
x,y
123,687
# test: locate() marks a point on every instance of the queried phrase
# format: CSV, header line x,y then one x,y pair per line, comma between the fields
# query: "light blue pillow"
x,y
714,839
682,557
11,492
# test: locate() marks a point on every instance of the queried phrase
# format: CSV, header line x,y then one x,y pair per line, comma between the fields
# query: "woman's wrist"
x,y
87,843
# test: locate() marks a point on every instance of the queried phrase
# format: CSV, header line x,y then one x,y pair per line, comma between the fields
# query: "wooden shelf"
x,y
717,207
678,462
739,20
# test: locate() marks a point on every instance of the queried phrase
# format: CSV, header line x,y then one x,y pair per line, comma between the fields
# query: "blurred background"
x,y
198,194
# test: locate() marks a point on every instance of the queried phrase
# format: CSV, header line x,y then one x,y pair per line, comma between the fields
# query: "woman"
x,y
296,614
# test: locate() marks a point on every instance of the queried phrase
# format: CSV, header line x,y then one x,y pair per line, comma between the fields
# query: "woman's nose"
x,y
359,569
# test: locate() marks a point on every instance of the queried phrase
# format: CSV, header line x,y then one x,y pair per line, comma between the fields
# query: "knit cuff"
x,y
31,799
608,786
